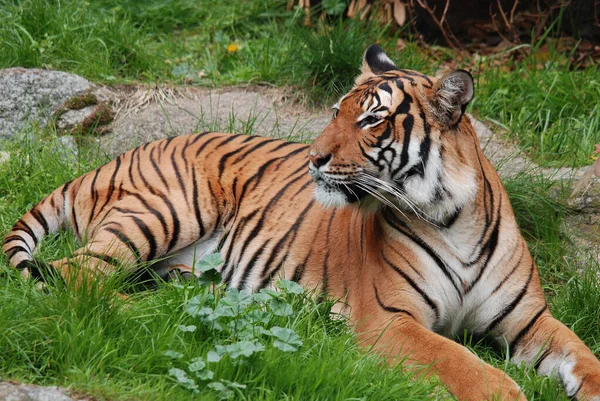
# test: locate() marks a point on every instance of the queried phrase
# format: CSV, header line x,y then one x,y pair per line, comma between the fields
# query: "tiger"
x,y
393,211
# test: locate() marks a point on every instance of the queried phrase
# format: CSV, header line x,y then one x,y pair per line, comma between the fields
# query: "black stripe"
x,y
249,138
407,125
288,156
149,236
387,308
182,154
111,185
488,250
40,219
75,223
452,219
281,146
155,212
401,227
22,226
372,160
94,194
325,286
414,285
253,149
105,258
125,210
386,87
12,251
179,177
125,240
152,190
65,188
416,74
205,144
167,142
226,157
509,275
13,237
252,263
131,163
227,269
231,137
511,306
543,356
157,169
303,168
515,342
210,191
196,201
256,230
267,273
254,177
198,136
24,264
176,223
424,151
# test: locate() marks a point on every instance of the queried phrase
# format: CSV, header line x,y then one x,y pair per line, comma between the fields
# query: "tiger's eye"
x,y
368,120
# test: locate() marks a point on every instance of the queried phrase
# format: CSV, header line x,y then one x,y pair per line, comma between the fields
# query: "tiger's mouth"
x,y
333,189
362,187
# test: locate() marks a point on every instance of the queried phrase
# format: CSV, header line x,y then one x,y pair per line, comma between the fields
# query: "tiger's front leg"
x,y
553,349
465,375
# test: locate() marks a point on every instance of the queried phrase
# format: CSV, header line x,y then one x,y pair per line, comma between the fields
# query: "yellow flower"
x,y
232,48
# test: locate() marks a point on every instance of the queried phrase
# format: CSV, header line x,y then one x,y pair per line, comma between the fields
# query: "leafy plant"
x,y
244,323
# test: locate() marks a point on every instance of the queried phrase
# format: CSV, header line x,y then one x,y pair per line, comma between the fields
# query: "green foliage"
x,y
540,214
334,7
241,324
65,34
548,108
552,112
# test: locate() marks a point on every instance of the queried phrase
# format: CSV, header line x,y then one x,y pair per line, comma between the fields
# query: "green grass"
x,y
547,108
551,112
87,340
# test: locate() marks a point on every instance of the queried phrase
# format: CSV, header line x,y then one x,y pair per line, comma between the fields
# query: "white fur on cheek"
x,y
329,197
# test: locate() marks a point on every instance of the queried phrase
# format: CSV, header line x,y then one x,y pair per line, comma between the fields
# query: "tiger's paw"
x,y
587,389
183,273
491,384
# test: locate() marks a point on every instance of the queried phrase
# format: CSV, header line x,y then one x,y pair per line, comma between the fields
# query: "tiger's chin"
x,y
336,197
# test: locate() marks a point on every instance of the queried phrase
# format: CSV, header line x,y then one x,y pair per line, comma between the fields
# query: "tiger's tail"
x,y
48,216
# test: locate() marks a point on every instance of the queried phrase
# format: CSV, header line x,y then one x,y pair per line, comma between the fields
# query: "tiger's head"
x,y
394,141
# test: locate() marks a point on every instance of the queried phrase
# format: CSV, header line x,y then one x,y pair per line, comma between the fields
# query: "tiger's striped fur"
x,y
402,218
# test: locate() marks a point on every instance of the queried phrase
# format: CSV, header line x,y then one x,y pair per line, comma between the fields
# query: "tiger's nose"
x,y
319,160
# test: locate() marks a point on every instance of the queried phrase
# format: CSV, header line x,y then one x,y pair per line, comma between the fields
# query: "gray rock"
x,y
240,110
26,392
33,96
70,120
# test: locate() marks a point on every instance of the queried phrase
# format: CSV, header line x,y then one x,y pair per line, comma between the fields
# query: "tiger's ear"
x,y
375,62
450,96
